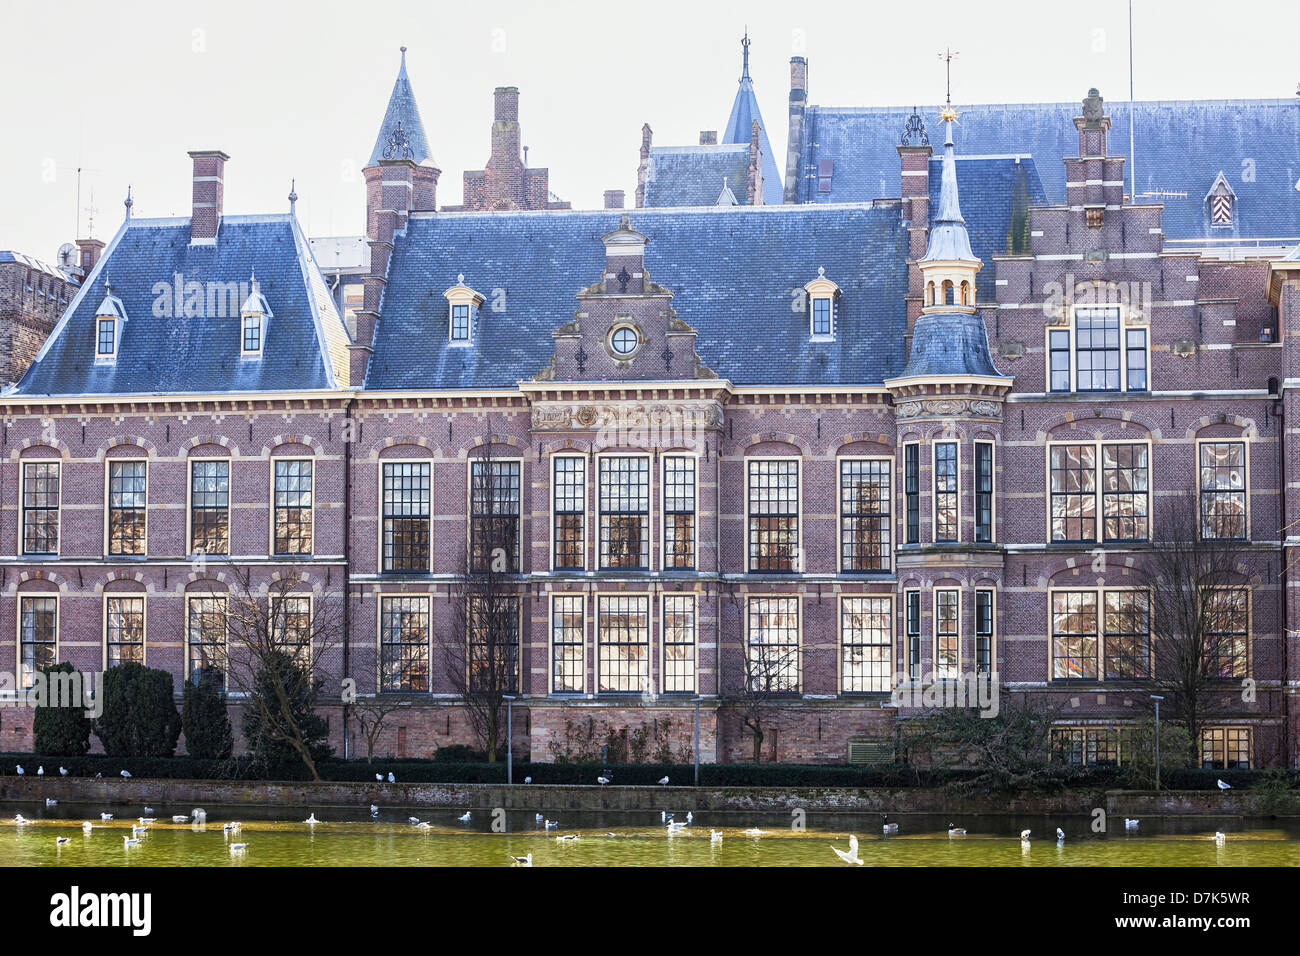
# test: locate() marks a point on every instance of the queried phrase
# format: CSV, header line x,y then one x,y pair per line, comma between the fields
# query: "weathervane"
x,y
948,55
744,44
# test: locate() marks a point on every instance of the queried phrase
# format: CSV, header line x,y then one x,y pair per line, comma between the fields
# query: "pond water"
x,y
277,836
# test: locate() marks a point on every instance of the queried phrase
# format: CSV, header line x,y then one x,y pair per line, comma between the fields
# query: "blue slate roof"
x,y
692,175
949,343
733,271
402,108
1181,147
744,110
306,342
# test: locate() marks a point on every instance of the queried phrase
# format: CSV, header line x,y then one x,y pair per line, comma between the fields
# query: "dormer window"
x,y
462,307
822,295
254,316
1222,202
109,319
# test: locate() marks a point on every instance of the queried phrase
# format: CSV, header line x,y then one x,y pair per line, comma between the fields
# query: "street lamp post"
x,y
510,739
1157,699
696,748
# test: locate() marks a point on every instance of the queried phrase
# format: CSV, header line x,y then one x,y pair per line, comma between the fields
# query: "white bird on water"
x,y
888,828
145,821
148,810
180,818
374,809
1224,786
1060,835
690,817
715,836
232,827
311,820
552,824
540,818
852,855
1219,838
238,848
1130,824
675,828
136,831
130,841
51,802
754,832
1024,835
426,825
602,780
59,841
413,821
200,815
21,820
106,816
567,838
523,860
663,781
87,826
956,831
465,818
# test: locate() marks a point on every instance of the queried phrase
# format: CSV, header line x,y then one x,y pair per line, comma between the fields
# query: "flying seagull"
x,y
852,855
59,841
522,860
465,818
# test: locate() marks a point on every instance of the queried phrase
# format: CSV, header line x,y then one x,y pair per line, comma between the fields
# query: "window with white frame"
x,y
624,494
773,514
866,644
38,630
983,491
404,643
1226,620
40,507
947,634
460,323
1223,489
946,496
293,506
494,515
679,637
1225,748
823,309
493,654
1100,632
127,494
1117,471
984,631
106,338
205,628
291,625
568,638
210,507
1097,353
123,630
406,528
679,511
912,626
865,514
772,659
569,502
623,643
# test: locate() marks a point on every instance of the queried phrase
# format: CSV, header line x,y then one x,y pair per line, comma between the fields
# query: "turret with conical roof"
x,y
744,111
401,141
949,266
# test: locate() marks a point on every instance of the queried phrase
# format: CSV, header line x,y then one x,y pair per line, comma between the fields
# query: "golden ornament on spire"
x,y
948,115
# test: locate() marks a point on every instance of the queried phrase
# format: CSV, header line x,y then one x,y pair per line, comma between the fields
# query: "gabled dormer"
x,y
463,305
823,296
110,318
254,318
1222,203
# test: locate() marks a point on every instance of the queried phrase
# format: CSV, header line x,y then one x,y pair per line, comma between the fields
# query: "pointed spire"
x,y
293,195
949,241
129,202
744,44
744,111
402,118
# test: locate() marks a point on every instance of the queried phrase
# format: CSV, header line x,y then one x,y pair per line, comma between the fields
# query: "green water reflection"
x,y
277,837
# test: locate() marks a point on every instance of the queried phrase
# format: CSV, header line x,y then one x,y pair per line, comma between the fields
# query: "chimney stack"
x,y
708,137
643,169
209,192
794,145
614,199
88,252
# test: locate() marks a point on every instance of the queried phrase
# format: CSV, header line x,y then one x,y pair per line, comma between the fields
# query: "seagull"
x,y
136,831
1130,824
602,780
63,771
956,831
1024,835
424,826
179,818
391,778
199,815
1219,838
663,781
99,776
311,820
51,802
148,810
465,818
540,818
889,828
664,816
528,780
231,827
126,773
753,831
715,836
374,809
106,816
552,824
130,841
413,821
21,820
19,768
87,826
567,838
852,855
59,841
690,817
379,777
1224,786
145,821
676,828
523,860
238,848
1060,835
40,771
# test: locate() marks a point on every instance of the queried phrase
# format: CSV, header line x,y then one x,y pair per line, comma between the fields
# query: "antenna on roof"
x,y
948,56
1132,119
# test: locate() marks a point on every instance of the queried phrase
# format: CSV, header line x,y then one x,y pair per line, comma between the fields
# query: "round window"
x,y
624,340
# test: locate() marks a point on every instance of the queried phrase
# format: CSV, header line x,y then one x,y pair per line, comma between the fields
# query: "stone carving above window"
x,y
949,408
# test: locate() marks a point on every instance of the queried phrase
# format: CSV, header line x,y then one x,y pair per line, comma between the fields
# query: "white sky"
x,y
124,89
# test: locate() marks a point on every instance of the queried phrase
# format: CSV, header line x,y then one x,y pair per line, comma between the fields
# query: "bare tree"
x,y
482,647
771,684
1197,587
279,635
371,714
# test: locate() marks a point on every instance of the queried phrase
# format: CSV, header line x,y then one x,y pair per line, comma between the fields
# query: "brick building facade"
x,y
845,449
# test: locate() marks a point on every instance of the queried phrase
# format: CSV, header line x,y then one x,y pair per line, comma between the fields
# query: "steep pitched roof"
x,y
164,351
949,343
692,175
1181,145
402,109
744,110
733,271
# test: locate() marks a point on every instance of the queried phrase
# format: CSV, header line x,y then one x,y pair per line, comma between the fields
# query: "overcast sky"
x,y
124,89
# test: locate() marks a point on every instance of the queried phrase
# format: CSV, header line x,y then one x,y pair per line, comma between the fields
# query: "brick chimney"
x,y
754,188
614,199
794,146
209,193
643,169
88,252
708,137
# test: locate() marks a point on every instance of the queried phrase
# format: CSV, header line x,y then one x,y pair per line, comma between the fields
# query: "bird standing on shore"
x,y
465,818
391,778
663,781
1224,786
956,831
126,773
63,771
889,828
40,771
